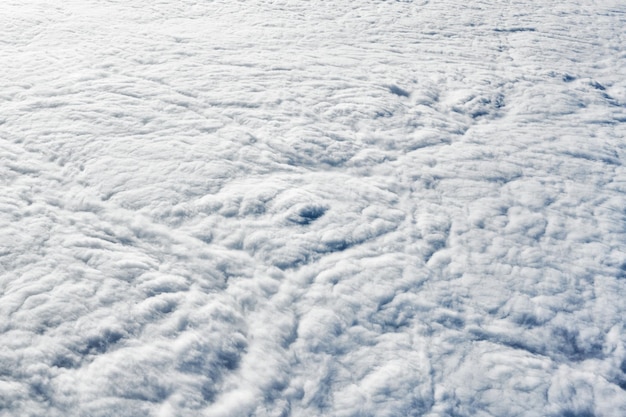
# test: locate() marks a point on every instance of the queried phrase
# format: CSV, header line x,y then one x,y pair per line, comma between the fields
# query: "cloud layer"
x,y
283,208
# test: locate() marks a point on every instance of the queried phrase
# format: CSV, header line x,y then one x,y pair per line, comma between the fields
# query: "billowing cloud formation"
x,y
283,208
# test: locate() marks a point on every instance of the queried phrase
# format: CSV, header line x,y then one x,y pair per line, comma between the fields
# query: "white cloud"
x,y
304,209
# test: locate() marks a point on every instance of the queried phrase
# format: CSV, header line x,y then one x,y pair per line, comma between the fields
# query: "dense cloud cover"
x,y
311,208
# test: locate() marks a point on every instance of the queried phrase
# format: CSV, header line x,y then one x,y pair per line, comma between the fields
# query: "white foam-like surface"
x,y
291,208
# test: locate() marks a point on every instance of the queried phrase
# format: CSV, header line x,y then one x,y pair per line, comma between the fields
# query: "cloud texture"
x,y
289,208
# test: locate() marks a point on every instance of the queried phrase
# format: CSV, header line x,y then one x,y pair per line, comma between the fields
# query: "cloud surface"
x,y
287,208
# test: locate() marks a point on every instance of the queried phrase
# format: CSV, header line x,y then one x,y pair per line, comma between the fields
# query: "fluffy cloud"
x,y
288,208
